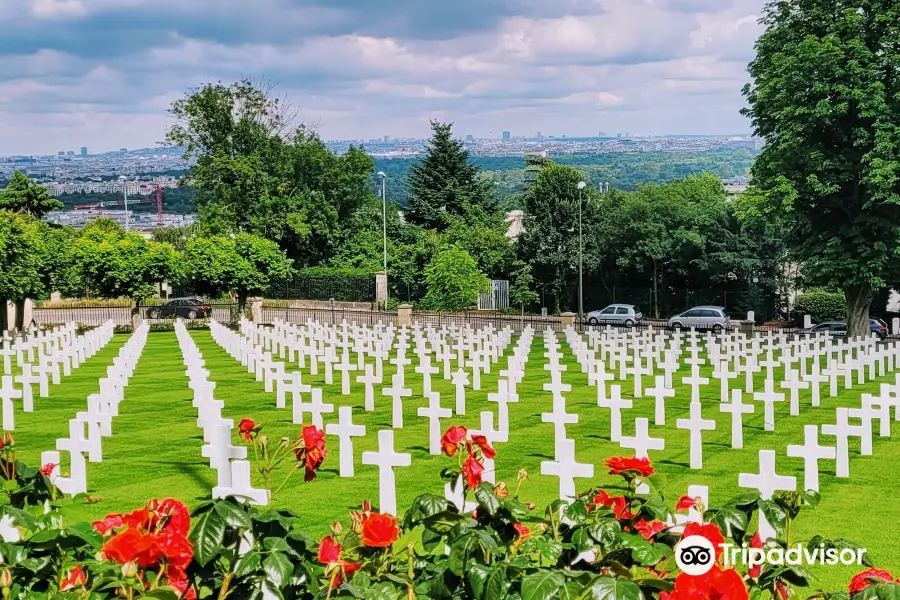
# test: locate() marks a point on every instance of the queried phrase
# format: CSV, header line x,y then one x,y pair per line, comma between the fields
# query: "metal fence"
x,y
121,316
478,320
328,316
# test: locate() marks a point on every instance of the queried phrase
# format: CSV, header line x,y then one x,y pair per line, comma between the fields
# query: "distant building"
x,y
84,151
61,153
515,220
70,153
470,138
507,136
387,139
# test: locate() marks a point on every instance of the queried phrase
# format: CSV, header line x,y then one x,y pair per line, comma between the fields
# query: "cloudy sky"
x,y
102,72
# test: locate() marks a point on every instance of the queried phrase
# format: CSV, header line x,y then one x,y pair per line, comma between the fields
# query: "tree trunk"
x,y
20,315
655,292
4,312
859,299
135,315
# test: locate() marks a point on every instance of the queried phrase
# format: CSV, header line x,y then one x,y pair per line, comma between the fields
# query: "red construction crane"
x,y
136,200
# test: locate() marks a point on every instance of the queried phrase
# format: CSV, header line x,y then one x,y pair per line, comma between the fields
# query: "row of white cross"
x,y
89,427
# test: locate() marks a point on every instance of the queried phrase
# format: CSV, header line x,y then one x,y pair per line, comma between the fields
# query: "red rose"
x,y
717,584
709,531
379,530
48,469
486,448
329,551
619,465
783,591
453,438
109,523
181,584
245,429
869,577
175,549
75,579
132,545
139,519
685,503
621,508
754,571
310,449
649,530
472,469
169,514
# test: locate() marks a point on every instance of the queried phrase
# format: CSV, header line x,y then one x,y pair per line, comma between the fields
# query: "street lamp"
x,y
123,179
381,175
581,186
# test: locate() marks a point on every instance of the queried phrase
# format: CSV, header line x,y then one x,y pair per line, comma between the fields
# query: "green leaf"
x,y
487,499
496,584
233,515
775,515
277,545
575,513
542,585
606,531
161,593
477,575
381,591
642,551
85,532
278,567
207,536
582,539
609,588
35,564
459,553
247,563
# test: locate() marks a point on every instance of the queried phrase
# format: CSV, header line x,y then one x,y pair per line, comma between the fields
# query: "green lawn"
x,y
155,447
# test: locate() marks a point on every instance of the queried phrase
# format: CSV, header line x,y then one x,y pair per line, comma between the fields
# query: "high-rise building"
x,y
507,136
84,151
61,153
387,139
470,138
70,153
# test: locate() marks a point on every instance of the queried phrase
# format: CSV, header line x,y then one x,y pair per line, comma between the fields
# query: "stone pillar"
x,y
256,310
28,317
381,289
404,315
567,319
807,321
751,316
55,296
895,326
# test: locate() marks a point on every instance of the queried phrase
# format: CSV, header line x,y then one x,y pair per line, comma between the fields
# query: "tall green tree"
x,y
258,172
111,263
550,242
243,265
445,183
23,196
825,97
454,281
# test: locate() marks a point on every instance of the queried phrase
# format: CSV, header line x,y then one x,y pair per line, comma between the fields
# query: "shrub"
x,y
820,304
454,281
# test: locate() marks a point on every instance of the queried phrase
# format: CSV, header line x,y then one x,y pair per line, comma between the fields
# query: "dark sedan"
x,y
186,308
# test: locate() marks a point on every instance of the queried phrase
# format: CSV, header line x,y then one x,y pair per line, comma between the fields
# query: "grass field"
x,y
155,447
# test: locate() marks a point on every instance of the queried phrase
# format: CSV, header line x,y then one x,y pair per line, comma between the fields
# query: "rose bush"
x,y
612,544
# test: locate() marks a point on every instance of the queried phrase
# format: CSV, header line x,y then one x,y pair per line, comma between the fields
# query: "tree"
x,y
825,97
244,265
454,281
111,263
445,183
549,242
520,291
23,196
256,172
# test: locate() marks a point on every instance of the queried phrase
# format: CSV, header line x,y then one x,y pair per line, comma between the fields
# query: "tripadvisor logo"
x,y
695,555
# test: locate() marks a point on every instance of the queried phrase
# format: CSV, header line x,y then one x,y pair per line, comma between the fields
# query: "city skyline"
x,y
100,74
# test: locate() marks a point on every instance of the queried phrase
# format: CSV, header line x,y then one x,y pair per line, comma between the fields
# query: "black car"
x,y
839,328
186,308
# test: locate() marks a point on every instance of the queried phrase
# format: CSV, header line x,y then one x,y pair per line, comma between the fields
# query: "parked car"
x,y
702,317
616,314
839,328
186,308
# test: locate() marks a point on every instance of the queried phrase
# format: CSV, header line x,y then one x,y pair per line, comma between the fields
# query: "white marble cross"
x,y
794,384
76,445
434,412
659,392
769,397
460,379
345,430
842,431
615,403
695,381
369,380
241,486
642,443
386,459
560,418
502,399
567,469
26,379
317,408
345,366
737,409
767,482
811,453
426,370
8,393
397,393
696,424
493,436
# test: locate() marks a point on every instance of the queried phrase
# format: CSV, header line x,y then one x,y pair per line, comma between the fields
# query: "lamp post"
x,y
124,179
581,186
383,177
